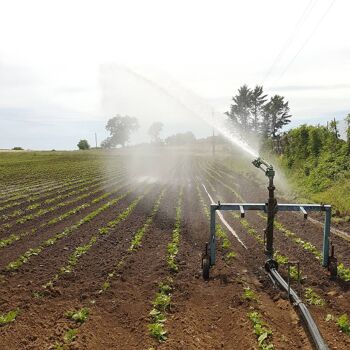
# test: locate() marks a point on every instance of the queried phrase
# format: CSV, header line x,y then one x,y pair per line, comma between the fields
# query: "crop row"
x,y
47,210
58,197
82,250
136,242
162,300
47,194
173,246
24,258
17,236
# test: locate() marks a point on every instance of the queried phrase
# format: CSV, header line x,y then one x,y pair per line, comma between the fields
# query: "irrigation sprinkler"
x,y
271,207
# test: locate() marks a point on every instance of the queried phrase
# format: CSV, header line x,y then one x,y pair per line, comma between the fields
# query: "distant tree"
x,y
106,144
17,148
180,139
275,116
83,145
239,113
154,131
257,101
120,129
333,126
348,133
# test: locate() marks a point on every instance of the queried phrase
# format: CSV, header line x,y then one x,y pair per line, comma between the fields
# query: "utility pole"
x,y
96,140
213,139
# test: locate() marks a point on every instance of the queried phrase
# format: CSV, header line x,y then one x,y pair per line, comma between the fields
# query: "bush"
x,y
83,145
17,148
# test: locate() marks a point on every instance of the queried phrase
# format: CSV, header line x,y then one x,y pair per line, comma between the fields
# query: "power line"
x,y
307,11
308,39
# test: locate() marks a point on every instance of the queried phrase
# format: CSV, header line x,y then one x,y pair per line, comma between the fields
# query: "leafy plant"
x,y
343,323
70,335
262,332
8,317
158,331
313,298
79,316
249,294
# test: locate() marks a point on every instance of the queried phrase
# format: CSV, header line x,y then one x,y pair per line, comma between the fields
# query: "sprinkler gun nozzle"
x,y
264,166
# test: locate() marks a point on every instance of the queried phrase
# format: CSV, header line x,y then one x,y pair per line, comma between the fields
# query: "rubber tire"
x,y
205,268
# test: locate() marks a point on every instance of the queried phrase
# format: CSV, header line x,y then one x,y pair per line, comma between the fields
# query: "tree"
x,y
275,116
83,145
154,131
348,133
120,129
239,112
256,106
181,139
333,125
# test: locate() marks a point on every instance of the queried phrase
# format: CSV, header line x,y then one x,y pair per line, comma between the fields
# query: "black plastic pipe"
x,y
310,323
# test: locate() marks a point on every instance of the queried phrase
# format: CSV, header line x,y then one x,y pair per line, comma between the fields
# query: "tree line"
x,y
253,113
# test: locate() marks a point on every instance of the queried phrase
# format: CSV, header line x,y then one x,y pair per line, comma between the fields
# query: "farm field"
x,y
102,250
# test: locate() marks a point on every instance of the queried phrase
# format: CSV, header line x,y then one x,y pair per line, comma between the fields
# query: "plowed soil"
x,y
203,314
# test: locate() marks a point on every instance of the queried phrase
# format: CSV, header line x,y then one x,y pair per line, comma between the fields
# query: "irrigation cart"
x,y
271,266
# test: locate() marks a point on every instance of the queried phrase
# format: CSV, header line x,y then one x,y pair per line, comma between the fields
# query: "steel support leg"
x,y
212,246
326,234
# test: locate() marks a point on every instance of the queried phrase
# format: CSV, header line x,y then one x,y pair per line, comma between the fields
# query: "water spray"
x,y
271,266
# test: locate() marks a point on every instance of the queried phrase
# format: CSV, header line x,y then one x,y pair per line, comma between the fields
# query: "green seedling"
x,y
79,316
313,298
249,294
70,335
8,317
262,332
343,323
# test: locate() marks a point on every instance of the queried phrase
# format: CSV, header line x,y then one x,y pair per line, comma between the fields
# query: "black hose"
x,y
310,323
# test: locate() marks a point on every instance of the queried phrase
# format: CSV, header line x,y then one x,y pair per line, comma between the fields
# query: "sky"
x,y
66,67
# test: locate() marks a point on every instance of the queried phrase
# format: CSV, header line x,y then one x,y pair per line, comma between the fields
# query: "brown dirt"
x,y
203,315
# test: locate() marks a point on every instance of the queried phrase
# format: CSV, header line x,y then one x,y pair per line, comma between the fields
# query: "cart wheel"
x,y
206,268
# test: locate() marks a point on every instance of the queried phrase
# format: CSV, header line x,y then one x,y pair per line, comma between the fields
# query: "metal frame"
x,y
242,207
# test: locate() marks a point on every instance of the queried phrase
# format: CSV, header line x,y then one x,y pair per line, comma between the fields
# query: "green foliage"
x,y
120,129
313,298
262,332
343,272
161,304
70,335
17,148
249,294
318,162
79,316
8,317
83,145
343,323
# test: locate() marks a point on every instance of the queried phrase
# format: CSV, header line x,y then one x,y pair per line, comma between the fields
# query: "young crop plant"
x,y
173,246
78,316
161,304
8,317
343,323
313,298
249,294
261,331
